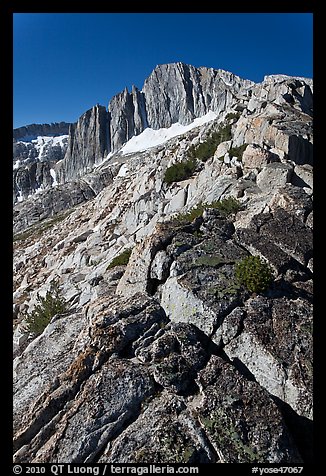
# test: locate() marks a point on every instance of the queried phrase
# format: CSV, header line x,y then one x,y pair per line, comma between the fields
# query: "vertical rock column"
x,y
127,117
88,144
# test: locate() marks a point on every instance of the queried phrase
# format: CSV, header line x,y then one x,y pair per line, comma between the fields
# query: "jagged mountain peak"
x,y
184,69
172,93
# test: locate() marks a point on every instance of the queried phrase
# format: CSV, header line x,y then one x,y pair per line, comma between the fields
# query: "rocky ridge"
x,y
173,93
32,131
168,358
36,148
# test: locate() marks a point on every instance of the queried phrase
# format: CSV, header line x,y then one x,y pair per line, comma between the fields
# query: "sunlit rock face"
x,y
161,354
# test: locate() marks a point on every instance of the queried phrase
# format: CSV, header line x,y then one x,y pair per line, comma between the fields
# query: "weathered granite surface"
x,y
167,357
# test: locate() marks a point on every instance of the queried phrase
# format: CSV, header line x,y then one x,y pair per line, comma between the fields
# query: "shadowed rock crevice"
x,y
96,456
301,429
240,366
167,250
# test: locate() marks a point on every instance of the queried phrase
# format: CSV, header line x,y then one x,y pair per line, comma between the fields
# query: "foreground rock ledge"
x,y
152,373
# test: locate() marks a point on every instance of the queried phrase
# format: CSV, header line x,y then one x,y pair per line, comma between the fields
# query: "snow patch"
x,y
123,171
43,143
36,191
48,140
20,197
54,176
151,137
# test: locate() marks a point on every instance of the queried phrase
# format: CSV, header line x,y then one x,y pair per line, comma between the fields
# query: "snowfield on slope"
x,y
42,144
151,137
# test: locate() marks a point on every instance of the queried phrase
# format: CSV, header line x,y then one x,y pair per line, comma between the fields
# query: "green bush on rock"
x,y
120,260
254,273
226,207
191,215
232,115
205,150
180,171
50,305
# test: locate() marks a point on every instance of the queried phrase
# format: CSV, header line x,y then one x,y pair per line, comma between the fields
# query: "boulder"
x,y
263,247
255,157
293,200
303,176
222,149
175,355
42,361
181,305
228,412
290,234
160,266
20,339
276,347
106,402
166,432
230,327
177,202
273,176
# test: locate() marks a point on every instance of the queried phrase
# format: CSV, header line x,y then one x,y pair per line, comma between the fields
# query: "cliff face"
x,y
166,356
172,93
88,142
175,93
127,117
34,130
36,150
180,93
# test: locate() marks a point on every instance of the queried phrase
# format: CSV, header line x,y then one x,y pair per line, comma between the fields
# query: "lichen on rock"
x,y
167,356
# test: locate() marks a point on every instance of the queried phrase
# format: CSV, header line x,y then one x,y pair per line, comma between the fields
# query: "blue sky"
x,y
65,63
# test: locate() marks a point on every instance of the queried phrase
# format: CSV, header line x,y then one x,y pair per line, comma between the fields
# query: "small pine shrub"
x,y
191,215
206,149
180,171
227,206
120,260
223,134
254,273
232,115
50,305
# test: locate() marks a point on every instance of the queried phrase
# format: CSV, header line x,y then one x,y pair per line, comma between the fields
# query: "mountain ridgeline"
x,y
172,93
27,133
